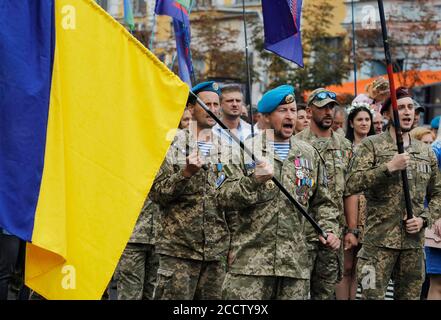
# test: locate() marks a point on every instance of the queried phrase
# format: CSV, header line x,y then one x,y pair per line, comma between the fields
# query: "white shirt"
x,y
243,132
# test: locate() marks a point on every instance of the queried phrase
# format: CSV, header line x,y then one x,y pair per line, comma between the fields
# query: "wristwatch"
x,y
355,232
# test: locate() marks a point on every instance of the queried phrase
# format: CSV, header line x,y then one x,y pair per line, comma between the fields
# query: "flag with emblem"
x,y
281,20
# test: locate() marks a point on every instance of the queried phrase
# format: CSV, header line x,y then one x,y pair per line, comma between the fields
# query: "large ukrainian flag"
x,y
84,114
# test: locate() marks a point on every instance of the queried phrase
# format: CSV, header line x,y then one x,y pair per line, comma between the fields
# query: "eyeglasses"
x,y
325,94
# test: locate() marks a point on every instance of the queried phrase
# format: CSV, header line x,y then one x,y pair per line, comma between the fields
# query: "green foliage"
x,y
214,43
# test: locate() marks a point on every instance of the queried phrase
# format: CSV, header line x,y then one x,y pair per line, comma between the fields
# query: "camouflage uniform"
x,y
194,238
136,271
388,250
327,265
269,252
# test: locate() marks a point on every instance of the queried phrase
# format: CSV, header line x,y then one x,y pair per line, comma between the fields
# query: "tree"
x,y
413,38
214,44
326,58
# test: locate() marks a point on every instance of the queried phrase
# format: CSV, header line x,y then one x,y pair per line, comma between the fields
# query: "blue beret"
x,y
272,99
434,124
206,86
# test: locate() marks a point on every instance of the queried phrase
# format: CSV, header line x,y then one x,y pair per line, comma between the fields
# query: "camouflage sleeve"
x,y
232,218
169,182
238,191
322,206
364,172
433,192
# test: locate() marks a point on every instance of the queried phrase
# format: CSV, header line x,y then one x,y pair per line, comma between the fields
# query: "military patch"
x,y
215,86
220,180
250,167
270,185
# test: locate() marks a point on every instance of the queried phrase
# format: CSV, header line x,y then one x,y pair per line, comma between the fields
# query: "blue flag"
x,y
182,35
281,20
179,10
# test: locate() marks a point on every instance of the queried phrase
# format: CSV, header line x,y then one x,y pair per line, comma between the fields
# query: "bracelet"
x,y
355,232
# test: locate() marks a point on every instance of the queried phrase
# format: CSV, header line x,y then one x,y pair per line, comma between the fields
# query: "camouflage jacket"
x,y
386,208
336,151
269,239
147,224
192,226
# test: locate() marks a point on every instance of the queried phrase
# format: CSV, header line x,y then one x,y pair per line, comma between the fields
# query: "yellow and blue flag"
x,y
84,114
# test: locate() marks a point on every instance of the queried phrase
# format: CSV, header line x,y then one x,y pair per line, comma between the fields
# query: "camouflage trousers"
x,y
246,287
376,266
136,272
187,279
326,269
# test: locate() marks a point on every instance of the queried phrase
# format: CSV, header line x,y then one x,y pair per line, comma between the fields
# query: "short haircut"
x,y
340,109
401,92
231,88
191,99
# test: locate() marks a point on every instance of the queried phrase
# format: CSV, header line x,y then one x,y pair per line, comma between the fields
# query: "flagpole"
x,y
152,35
192,74
247,61
393,96
353,48
314,224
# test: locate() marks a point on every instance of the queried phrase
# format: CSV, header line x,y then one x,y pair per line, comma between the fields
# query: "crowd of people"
x,y
216,224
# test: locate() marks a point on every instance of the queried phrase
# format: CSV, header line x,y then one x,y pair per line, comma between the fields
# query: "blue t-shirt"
x,y
436,146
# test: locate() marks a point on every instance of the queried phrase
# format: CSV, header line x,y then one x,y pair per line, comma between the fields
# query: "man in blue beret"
x,y
268,256
193,242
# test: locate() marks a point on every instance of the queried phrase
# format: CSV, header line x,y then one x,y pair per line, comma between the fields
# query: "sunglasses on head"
x,y
325,94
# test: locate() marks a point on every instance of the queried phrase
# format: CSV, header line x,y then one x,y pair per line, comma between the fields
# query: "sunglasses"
x,y
325,94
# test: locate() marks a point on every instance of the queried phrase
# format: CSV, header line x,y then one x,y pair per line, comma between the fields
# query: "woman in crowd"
x,y
359,126
303,119
422,134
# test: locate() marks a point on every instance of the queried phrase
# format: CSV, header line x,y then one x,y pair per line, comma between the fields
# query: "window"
x,y
139,8
203,3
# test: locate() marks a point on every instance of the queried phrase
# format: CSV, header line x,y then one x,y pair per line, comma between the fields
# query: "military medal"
x,y
297,163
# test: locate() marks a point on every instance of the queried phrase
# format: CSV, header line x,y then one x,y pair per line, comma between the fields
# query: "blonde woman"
x,y
423,134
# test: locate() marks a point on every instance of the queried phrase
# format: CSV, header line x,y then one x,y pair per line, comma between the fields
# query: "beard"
x,y
321,124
